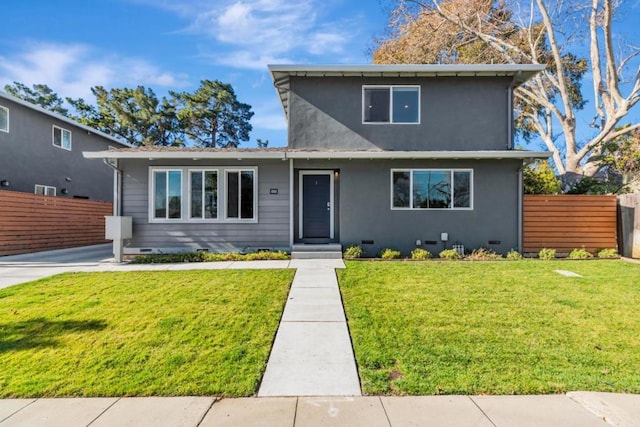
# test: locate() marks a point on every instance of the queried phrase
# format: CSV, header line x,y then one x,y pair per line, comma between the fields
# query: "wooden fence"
x,y
32,223
565,222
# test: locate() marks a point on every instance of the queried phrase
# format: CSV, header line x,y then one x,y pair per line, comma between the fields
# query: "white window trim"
x,y
7,111
203,170
45,188
390,87
185,210
255,194
331,200
451,170
62,131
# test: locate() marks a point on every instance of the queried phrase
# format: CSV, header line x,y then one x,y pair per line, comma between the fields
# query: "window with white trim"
x,y
431,188
4,119
203,192
61,138
45,190
167,194
240,186
183,194
391,104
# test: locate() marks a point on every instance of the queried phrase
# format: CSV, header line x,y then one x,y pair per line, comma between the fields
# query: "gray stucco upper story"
x,y
29,157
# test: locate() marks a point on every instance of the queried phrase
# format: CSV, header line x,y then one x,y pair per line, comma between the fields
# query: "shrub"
x,y
483,254
202,256
388,253
581,253
608,253
169,258
547,254
514,255
354,251
449,254
419,253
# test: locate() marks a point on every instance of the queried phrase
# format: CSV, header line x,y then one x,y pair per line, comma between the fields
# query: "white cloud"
x,y
72,69
251,34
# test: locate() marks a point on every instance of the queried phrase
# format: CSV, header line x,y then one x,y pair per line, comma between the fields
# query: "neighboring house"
x,y
41,152
392,156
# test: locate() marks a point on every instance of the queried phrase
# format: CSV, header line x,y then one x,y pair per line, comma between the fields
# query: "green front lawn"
x,y
140,333
494,327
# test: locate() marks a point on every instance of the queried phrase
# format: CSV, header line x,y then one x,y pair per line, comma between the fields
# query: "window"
x,y
204,194
167,194
62,138
183,194
431,189
4,119
240,194
45,190
391,104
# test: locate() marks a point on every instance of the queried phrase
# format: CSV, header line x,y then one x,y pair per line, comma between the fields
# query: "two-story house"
x,y
41,152
398,156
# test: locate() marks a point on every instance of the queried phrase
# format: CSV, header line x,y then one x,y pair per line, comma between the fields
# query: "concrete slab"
x,y
530,411
316,263
342,412
311,359
156,412
315,278
60,412
11,406
85,254
567,273
314,304
264,412
621,410
434,411
259,265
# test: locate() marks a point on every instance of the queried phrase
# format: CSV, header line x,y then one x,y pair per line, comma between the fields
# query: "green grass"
x,y
494,327
140,333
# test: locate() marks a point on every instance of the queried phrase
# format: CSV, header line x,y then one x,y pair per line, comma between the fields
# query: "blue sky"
x,y
72,45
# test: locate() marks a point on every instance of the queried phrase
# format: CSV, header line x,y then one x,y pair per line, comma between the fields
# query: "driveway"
x,y
16,269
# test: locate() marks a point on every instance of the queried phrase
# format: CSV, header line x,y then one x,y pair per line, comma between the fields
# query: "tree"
x,y
135,115
539,178
212,116
621,157
39,94
468,31
262,144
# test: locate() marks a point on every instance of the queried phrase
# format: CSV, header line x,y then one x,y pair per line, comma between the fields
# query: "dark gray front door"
x,y
316,206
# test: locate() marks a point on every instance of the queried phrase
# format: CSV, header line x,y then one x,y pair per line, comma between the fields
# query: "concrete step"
x,y
309,247
316,255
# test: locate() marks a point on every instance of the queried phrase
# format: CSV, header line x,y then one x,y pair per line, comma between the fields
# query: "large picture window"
x,y
4,119
391,104
184,194
431,189
62,138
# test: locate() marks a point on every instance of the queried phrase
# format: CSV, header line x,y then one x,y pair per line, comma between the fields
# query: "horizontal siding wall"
x,y
566,222
32,223
270,232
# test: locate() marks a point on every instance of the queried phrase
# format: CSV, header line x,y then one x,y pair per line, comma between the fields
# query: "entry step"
x,y
317,251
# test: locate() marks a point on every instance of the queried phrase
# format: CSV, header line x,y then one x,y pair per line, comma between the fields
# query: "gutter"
x,y
117,185
512,85
520,209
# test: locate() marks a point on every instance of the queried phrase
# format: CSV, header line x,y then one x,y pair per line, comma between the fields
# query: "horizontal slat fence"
x,y
565,222
32,223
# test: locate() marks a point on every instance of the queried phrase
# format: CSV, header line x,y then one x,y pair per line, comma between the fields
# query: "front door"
x,y
316,204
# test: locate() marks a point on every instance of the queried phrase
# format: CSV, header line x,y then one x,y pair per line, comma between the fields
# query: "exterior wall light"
x,y
4,183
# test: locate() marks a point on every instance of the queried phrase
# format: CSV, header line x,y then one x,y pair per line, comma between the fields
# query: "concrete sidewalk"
x,y
579,409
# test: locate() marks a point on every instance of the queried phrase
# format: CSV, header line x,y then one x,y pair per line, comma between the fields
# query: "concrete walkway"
x,y
312,353
578,409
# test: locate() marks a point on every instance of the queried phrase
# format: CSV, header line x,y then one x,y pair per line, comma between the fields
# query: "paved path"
x,y
312,353
580,409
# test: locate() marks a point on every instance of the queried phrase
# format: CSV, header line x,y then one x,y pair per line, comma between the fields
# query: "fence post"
x,y
629,224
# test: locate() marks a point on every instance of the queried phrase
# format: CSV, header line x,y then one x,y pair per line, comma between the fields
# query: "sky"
x,y
72,45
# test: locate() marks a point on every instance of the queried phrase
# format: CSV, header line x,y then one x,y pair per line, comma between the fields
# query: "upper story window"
x,y
4,119
62,138
431,188
45,190
391,104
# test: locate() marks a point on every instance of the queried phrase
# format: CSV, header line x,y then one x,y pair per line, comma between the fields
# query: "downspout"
x,y
291,199
512,85
520,208
117,186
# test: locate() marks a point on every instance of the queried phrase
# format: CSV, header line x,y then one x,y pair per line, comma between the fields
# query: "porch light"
x,y
4,183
